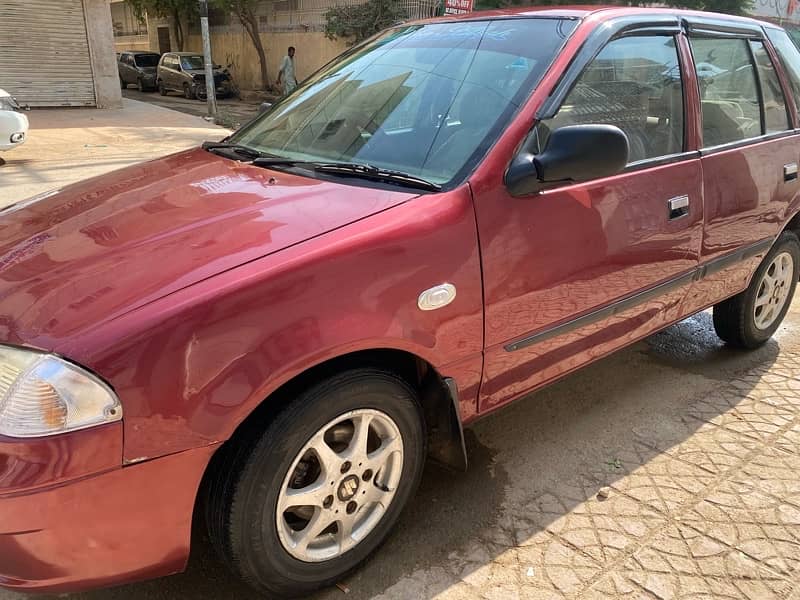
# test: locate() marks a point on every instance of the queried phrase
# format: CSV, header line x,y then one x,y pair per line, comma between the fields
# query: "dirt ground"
x,y
668,471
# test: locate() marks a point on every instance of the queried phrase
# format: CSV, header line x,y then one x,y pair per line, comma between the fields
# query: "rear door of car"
x,y
750,153
574,272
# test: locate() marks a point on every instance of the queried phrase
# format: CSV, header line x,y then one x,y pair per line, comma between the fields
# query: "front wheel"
x,y
751,318
296,505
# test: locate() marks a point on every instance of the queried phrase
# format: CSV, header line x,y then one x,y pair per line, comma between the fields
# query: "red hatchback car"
x,y
277,330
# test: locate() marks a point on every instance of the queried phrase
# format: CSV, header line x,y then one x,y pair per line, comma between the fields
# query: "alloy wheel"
x,y
340,485
773,290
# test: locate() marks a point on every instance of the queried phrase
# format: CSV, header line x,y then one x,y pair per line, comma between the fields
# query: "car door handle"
x,y
678,207
790,172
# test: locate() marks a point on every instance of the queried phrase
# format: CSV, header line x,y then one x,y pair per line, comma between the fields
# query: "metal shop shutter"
x,y
44,53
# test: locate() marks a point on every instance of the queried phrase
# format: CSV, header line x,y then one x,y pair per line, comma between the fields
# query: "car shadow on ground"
x,y
567,442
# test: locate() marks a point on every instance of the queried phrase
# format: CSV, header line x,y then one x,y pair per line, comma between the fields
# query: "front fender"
x,y
190,367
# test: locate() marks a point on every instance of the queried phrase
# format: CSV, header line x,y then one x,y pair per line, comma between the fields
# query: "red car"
x,y
275,331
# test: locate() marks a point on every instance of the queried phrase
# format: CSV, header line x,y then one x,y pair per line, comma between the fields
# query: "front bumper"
x,y
222,89
111,527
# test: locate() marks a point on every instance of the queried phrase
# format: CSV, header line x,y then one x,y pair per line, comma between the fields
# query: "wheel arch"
x,y
438,397
793,224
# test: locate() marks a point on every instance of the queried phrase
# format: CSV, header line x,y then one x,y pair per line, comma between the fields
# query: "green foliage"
x,y
357,23
723,6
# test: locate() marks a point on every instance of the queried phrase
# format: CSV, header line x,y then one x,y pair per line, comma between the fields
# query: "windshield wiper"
x,y
236,148
364,171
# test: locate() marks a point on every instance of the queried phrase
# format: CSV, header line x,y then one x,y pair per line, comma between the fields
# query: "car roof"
x,y
604,12
185,53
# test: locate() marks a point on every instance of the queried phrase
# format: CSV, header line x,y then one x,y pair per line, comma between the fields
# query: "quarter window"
x,y
776,118
790,57
635,84
728,90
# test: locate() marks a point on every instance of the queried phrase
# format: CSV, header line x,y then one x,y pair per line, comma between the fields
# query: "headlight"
x,y
42,394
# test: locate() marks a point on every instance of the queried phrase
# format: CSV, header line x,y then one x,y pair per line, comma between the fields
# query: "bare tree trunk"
x,y
250,23
176,19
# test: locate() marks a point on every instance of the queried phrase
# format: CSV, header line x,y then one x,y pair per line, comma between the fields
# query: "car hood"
x,y
96,250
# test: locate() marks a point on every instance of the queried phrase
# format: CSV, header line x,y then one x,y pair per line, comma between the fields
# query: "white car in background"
x,y
13,124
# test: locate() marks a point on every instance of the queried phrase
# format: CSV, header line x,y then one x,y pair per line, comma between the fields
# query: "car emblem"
x,y
437,297
348,488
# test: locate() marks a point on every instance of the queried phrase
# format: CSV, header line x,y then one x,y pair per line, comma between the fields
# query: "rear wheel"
x,y
749,319
187,92
298,505
161,89
122,84
140,85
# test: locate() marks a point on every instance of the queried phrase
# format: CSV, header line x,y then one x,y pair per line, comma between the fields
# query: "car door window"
x,y
729,97
790,58
776,119
634,83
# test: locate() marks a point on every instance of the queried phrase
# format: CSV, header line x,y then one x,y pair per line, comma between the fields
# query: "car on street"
x,y
13,123
270,334
184,72
138,68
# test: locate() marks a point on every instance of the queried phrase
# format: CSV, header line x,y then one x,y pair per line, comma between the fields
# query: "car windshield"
x,y
147,60
192,62
428,100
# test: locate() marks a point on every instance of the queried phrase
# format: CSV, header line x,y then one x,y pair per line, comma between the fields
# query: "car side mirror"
x,y
572,154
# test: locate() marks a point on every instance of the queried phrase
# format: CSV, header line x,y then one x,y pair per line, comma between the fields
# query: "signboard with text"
x,y
458,7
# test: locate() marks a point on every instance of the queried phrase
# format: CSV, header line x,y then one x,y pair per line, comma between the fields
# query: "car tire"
x,y
161,89
140,85
750,318
252,522
122,84
187,92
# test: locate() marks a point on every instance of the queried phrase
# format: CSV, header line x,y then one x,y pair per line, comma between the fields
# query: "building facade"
x,y
282,23
58,53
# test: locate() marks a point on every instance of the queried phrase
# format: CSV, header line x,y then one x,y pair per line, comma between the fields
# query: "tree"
x,y
245,11
180,11
724,6
357,23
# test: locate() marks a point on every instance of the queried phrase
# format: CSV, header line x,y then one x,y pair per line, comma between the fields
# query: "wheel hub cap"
x,y
339,485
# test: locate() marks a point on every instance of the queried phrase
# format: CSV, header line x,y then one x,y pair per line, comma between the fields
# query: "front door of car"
x,y
574,272
750,160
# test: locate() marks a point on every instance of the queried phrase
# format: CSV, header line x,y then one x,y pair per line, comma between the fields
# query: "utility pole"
x,y
211,92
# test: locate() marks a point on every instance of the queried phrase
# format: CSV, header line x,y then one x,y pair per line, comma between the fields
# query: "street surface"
x,y
231,110
668,470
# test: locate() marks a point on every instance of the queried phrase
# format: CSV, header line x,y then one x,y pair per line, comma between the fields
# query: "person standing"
x,y
287,73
